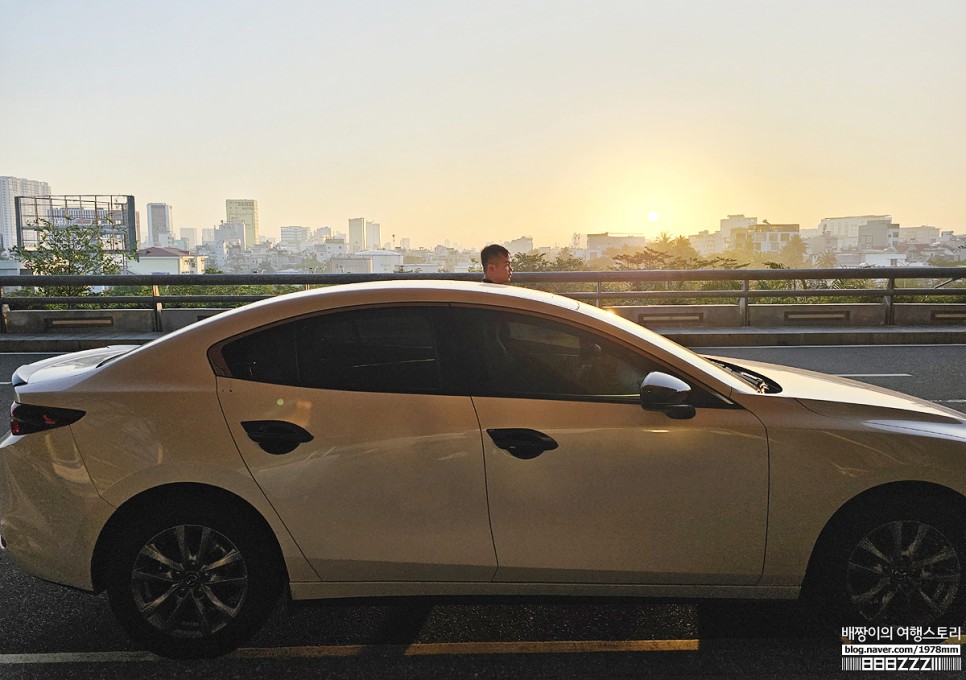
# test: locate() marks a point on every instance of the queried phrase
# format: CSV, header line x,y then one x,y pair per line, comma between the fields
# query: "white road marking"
x,y
423,649
874,375
77,657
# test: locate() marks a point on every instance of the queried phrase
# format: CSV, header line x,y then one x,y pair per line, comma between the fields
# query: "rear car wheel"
x,y
901,567
194,584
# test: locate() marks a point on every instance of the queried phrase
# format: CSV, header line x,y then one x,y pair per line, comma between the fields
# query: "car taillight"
x,y
27,418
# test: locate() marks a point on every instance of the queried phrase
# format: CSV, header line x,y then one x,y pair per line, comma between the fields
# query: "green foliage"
x,y
793,255
530,262
73,249
565,261
261,290
671,254
827,259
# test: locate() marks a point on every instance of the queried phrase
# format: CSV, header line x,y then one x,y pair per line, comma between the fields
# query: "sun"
x,y
653,216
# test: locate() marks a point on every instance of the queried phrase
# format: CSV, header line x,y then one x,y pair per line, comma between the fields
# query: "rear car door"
x,y
349,424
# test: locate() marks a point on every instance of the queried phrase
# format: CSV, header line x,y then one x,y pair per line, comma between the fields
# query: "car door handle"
x,y
276,436
522,442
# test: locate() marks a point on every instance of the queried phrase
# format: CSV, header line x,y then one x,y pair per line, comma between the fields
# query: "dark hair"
x,y
492,251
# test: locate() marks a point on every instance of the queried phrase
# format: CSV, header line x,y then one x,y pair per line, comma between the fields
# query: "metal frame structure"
x,y
935,284
113,213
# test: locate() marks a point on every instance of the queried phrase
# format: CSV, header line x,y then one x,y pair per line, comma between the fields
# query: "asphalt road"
x,y
48,631
933,372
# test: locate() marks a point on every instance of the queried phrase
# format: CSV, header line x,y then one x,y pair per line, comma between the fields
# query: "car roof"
x,y
376,292
183,353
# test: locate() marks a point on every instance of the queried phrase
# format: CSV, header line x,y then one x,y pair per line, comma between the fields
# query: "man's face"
x,y
498,269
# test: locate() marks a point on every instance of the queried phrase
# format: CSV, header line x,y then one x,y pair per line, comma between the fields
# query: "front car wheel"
x,y
904,571
901,566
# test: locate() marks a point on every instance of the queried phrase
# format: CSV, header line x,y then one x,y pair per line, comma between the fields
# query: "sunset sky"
x,y
485,121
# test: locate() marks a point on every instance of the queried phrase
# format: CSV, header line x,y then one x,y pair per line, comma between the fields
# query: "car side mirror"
x,y
666,394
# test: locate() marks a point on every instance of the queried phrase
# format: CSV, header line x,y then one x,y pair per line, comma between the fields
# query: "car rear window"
x,y
370,350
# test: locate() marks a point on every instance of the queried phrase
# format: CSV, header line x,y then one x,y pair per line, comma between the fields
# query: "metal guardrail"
x,y
888,291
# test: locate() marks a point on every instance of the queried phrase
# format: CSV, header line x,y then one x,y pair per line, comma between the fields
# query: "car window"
x,y
371,350
522,355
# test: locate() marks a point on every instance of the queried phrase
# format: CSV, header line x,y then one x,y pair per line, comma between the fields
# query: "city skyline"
x,y
478,123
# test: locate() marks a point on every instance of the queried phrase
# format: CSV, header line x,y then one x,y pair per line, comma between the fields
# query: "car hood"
x,y
67,364
836,397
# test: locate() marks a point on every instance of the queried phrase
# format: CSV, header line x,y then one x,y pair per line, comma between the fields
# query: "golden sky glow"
x,y
485,121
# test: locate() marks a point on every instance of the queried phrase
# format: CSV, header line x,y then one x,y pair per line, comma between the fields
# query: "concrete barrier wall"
x,y
925,314
782,316
793,316
173,319
40,321
659,317
678,316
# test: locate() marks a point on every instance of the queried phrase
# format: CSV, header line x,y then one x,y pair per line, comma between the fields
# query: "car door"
x,y
348,425
586,486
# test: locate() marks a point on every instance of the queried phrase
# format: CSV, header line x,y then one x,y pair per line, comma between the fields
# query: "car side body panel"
x,y
49,510
391,487
152,423
629,496
820,463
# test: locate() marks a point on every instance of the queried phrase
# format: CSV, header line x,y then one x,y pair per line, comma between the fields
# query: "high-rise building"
x,y
10,188
190,237
232,232
357,234
160,225
244,210
373,235
295,238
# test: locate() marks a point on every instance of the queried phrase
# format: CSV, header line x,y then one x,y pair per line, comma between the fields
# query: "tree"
x,y
794,253
826,260
530,262
566,261
73,249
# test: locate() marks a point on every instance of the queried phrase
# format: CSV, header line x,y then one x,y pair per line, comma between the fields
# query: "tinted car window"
x,y
523,355
371,350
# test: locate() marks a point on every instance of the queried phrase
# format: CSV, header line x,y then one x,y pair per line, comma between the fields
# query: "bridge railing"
x,y
888,285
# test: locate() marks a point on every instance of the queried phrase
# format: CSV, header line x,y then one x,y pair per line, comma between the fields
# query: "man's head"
x,y
496,264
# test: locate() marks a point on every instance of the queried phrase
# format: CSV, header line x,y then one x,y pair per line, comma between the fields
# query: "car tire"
x,y
901,566
193,583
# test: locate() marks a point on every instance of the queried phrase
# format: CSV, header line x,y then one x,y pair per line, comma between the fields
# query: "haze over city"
x,y
470,122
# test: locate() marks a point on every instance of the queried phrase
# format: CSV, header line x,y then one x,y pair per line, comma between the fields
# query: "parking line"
x,y
419,649
77,657
467,648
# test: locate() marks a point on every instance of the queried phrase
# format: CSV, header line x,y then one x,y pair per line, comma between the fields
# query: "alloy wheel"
x,y
903,572
189,581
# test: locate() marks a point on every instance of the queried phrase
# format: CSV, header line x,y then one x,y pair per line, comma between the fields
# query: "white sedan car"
x,y
413,438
